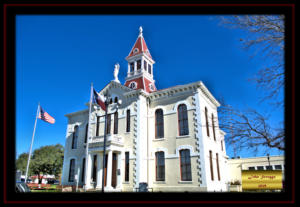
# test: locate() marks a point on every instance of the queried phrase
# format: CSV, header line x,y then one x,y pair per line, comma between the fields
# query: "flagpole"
x,y
87,141
29,156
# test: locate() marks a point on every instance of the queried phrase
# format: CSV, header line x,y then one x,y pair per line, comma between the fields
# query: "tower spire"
x,y
140,66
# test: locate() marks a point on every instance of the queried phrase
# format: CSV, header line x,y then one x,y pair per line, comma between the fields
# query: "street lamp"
x,y
268,159
107,102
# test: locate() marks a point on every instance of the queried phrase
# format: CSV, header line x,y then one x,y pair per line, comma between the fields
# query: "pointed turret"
x,y
140,66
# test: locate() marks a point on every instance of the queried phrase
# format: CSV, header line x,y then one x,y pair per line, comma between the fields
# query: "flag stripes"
x,y
43,115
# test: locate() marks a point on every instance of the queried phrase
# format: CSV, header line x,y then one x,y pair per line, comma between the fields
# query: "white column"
x,y
99,171
88,172
135,67
109,169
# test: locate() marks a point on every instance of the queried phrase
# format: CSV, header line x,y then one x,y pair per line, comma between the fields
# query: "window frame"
x,y
128,120
83,170
108,124
206,119
116,122
182,117
72,170
159,123
75,137
211,165
160,166
218,167
97,126
185,167
213,126
127,165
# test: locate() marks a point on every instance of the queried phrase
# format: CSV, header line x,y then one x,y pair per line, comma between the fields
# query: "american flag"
x,y
45,116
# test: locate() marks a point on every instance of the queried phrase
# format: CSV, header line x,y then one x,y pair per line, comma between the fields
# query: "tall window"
x,y
213,126
126,166
128,121
72,170
94,172
86,132
185,165
75,136
218,169
183,120
222,145
116,99
97,126
160,166
83,170
159,123
108,128
138,64
131,67
116,122
145,65
206,119
211,165
149,69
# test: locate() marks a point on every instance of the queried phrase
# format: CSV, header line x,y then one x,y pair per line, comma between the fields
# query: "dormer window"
x,y
133,85
136,50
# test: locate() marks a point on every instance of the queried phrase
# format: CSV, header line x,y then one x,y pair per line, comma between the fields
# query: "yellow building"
x,y
167,138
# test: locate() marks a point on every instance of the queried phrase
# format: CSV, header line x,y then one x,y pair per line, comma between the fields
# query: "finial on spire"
x,y
141,30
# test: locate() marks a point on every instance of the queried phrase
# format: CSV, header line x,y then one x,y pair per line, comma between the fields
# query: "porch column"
x,y
109,169
99,171
88,172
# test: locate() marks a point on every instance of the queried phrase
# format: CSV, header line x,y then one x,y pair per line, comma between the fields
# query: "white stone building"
x,y
168,138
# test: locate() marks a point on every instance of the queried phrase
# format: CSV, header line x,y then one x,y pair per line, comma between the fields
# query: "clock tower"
x,y
140,66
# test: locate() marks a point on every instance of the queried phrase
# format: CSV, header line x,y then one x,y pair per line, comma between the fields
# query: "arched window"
x,y
183,120
83,170
185,165
116,119
110,101
160,166
206,119
75,136
72,170
128,121
213,125
159,123
86,132
116,99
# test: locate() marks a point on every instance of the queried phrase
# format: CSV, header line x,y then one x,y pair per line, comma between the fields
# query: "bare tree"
x,y
249,129
266,37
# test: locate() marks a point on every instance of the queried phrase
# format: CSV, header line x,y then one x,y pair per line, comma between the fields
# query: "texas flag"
x,y
99,99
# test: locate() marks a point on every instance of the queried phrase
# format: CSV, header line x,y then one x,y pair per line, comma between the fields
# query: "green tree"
x,y
21,163
47,160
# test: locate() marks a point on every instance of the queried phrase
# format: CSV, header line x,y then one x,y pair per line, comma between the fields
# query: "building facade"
x,y
254,163
167,138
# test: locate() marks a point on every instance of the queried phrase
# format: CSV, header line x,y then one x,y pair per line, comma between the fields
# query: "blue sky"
x,y
58,56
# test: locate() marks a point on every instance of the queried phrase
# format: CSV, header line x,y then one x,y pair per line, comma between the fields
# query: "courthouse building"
x,y
168,138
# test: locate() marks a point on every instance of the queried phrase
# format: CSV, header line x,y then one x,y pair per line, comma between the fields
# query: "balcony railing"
x,y
110,139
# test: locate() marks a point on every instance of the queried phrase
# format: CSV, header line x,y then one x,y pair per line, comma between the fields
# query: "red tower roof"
x,y
139,46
